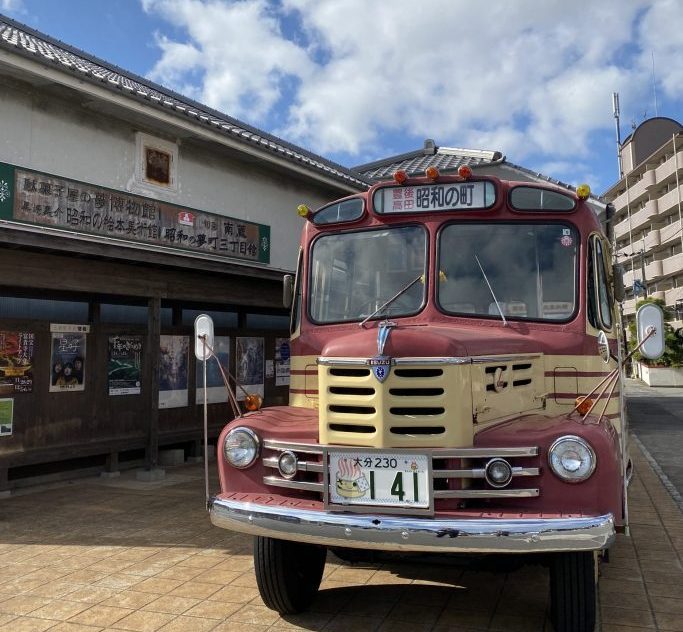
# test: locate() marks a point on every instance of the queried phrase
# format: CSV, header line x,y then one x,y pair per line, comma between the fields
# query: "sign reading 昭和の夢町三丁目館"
x,y
38,198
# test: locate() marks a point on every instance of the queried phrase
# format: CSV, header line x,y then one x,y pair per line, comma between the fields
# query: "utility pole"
x,y
642,272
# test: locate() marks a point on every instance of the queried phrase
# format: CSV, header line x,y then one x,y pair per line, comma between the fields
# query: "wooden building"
x,y
125,211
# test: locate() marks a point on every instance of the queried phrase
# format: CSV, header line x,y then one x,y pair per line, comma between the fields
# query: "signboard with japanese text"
x,y
37,198
282,355
16,362
173,373
125,365
67,366
454,196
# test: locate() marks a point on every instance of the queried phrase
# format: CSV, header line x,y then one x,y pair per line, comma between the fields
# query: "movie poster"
x,y
6,416
215,387
67,366
249,367
125,365
282,361
16,362
173,371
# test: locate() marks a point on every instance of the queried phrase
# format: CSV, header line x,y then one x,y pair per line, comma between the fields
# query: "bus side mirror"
x,y
650,320
287,290
618,279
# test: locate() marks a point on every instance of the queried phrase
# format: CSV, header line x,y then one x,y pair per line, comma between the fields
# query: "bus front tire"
x,y
288,574
573,591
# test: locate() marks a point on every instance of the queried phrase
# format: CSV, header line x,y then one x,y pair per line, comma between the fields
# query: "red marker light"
x,y
400,176
465,172
432,173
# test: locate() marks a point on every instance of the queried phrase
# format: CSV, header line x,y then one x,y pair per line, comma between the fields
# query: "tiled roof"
x,y
448,159
415,162
30,43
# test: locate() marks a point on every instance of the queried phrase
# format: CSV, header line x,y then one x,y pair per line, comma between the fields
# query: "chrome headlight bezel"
x,y
587,457
241,438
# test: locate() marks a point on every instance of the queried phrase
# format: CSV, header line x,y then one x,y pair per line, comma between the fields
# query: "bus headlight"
x,y
241,447
572,459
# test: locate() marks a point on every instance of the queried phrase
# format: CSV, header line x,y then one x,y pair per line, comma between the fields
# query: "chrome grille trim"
x,y
301,466
434,453
486,493
481,473
363,362
303,485
308,448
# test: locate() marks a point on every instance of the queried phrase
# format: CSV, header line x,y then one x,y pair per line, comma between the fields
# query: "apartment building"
x,y
647,226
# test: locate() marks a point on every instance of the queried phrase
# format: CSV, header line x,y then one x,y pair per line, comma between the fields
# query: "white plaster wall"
x,y
59,136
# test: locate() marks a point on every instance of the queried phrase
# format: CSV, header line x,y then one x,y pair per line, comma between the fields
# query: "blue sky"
x,y
356,81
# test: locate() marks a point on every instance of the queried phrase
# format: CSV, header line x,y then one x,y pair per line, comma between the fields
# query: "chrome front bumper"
x,y
400,533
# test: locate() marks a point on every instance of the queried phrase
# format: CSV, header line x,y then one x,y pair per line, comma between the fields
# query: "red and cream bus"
x,y
454,390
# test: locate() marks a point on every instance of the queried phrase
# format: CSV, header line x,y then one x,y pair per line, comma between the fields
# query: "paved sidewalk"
x,y
99,554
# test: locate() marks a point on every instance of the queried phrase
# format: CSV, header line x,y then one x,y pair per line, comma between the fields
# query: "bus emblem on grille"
x,y
381,365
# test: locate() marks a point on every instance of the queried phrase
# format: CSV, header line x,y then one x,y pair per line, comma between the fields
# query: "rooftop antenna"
x,y
615,110
654,83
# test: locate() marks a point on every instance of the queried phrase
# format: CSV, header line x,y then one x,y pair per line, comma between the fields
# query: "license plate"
x,y
386,479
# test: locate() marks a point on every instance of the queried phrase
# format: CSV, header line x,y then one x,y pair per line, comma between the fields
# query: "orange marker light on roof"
x,y
465,172
400,176
432,172
583,191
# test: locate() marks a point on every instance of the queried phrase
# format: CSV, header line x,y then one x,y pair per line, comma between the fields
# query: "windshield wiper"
x,y
505,322
403,290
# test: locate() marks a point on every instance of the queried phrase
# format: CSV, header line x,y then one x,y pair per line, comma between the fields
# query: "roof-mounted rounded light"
x,y
432,172
303,211
464,171
400,176
583,191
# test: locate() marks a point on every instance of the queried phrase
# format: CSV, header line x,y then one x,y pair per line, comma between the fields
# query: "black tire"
x,y
288,574
573,591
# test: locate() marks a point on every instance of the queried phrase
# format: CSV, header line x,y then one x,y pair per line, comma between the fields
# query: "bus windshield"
x,y
516,271
354,274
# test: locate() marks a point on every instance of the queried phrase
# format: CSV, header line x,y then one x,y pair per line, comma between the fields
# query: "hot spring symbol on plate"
x,y
350,480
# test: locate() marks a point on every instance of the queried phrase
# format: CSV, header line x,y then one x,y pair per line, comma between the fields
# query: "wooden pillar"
x,y
153,333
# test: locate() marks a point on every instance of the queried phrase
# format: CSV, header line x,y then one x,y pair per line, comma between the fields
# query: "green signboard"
x,y
36,198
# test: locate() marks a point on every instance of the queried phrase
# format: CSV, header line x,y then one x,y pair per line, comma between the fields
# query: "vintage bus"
x,y
454,389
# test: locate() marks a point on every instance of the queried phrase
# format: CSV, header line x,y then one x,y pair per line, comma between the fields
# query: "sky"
x,y
356,80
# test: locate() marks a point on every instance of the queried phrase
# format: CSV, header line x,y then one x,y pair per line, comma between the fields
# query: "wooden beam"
x,y
153,353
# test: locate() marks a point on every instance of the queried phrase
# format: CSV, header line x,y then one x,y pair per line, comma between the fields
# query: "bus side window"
x,y
295,320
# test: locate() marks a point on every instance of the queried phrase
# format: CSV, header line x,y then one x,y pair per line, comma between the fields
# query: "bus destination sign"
x,y
453,196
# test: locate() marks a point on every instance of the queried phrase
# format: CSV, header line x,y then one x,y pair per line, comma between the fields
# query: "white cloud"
x,y
8,6
529,78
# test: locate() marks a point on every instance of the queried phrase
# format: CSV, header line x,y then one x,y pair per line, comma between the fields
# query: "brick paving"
x,y
97,554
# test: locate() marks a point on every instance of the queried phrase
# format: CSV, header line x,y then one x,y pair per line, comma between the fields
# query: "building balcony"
x,y
621,228
635,191
654,270
644,215
670,200
669,167
669,232
652,240
671,265
673,295
629,306
659,294
628,278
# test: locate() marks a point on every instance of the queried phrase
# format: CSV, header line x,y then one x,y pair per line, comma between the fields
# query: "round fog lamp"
x,y
498,472
572,459
241,447
287,464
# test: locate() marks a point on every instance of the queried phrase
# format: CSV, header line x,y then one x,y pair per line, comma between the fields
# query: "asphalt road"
x,y
656,420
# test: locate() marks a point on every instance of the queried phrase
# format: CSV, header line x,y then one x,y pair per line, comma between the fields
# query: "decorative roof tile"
x,y
28,42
